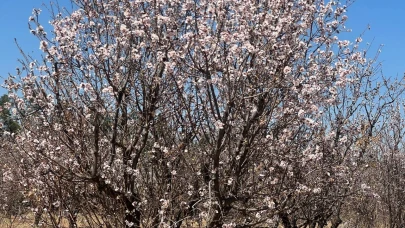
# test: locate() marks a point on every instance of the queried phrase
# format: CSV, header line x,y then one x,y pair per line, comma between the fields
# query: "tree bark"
x,y
38,216
132,214
336,221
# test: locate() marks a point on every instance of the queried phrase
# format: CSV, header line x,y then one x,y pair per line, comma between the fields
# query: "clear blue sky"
x,y
386,19
14,16
387,22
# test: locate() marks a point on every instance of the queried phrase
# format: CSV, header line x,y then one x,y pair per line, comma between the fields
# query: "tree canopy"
x,y
218,113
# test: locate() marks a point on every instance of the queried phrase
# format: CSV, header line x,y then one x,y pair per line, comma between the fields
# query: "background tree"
x,y
11,199
8,123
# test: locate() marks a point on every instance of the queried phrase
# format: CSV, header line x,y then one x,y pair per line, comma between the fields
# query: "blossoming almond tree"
x,y
168,112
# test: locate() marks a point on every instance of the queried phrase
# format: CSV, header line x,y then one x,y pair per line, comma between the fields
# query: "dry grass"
x,y
27,221
24,221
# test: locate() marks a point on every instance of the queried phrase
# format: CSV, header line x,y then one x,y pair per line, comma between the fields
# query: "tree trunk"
x,y
336,221
132,214
38,216
216,221
73,219
286,221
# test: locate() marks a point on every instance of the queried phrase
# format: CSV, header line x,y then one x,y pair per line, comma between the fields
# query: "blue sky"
x,y
14,24
387,23
386,19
